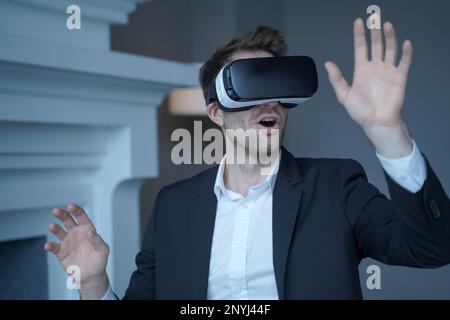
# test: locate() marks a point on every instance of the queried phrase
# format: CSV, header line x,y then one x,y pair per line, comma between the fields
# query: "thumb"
x,y
338,82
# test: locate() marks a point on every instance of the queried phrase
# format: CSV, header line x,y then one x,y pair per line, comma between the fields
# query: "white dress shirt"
x,y
241,265
409,172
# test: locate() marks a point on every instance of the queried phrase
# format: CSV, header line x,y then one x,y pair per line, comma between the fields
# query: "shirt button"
x,y
434,208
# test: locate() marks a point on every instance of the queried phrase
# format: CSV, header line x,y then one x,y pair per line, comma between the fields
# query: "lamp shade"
x,y
186,102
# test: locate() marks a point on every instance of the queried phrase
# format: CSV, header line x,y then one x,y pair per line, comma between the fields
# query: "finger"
x,y
79,214
57,230
391,43
360,42
337,81
376,44
65,218
405,61
52,247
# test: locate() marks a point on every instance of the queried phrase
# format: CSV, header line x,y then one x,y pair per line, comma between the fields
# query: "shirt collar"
x,y
220,189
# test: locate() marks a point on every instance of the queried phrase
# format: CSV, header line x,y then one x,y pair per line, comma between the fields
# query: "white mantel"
x,y
78,124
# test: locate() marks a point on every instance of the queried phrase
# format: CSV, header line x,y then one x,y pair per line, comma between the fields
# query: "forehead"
x,y
250,54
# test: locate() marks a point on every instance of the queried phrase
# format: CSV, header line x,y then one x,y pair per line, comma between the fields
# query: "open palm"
x,y
80,245
378,88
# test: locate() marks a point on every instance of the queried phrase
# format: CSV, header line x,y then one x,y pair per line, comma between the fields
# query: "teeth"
x,y
268,119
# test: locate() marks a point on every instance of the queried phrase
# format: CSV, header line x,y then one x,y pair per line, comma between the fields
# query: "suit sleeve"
x,y
411,229
142,282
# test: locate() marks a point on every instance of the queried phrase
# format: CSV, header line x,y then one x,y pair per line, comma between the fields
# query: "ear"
x,y
215,114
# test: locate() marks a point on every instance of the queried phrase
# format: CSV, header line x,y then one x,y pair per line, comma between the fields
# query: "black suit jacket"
x,y
326,219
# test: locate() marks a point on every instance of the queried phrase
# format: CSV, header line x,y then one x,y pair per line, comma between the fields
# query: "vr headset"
x,y
245,83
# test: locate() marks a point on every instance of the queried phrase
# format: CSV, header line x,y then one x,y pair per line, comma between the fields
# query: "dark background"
x,y
190,31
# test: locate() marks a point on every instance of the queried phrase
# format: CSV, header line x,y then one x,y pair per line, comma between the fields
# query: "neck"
x,y
240,178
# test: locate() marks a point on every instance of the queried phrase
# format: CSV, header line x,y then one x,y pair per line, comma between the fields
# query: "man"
x,y
301,231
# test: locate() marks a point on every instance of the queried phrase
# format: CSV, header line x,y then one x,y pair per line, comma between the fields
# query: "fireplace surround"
x,y
78,124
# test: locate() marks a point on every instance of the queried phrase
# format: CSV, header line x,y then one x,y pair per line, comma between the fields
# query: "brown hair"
x,y
263,38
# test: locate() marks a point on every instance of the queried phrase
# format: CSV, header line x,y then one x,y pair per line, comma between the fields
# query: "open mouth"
x,y
268,122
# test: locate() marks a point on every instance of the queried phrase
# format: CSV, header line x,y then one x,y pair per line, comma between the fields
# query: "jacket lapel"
x,y
201,228
286,200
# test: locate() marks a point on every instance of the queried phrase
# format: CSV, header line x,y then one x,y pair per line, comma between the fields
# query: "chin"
x,y
273,148
272,142
269,150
